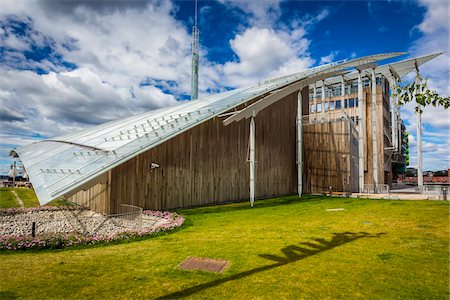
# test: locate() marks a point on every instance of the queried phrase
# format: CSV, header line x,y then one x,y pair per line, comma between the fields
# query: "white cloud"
x,y
114,50
329,58
435,29
261,12
264,53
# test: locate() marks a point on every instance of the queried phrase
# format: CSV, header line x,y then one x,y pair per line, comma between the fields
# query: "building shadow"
x,y
289,254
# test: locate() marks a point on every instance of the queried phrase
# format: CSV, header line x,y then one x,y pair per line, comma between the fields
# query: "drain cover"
x,y
204,264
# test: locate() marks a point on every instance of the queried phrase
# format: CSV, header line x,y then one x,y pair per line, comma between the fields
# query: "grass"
x,y
282,248
28,196
7,198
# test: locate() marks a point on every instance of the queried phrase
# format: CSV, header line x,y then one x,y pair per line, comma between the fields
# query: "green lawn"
x,y
7,198
282,248
28,197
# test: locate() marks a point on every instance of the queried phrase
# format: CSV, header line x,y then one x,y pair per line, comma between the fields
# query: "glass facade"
x,y
351,102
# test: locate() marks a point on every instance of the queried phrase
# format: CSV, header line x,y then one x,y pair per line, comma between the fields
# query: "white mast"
x,y
195,57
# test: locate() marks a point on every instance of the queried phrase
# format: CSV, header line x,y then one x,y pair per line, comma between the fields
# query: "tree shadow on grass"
x,y
290,254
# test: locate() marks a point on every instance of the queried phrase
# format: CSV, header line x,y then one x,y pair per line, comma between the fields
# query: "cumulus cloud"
x,y
263,53
262,13
69,65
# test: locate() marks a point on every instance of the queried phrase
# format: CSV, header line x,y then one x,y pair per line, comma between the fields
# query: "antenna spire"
x,y
195,57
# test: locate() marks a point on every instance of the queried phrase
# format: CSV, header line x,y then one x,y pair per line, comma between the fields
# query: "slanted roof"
x,y
395,69
65,164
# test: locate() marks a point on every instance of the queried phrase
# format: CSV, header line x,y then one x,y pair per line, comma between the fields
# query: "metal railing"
x,y
317,118
381,189
129,216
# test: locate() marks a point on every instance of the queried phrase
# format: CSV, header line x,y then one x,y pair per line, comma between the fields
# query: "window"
x,y
326,106
332,105
356,102
345,103
366,82
338,104
351,102
319,108
312,108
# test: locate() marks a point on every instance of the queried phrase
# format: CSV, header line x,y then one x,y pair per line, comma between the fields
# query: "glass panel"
x,y
332,105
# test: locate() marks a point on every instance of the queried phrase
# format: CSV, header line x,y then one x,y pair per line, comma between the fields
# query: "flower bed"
x,y
169,221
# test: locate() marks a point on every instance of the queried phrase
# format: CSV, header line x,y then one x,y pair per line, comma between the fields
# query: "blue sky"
x,y
67,65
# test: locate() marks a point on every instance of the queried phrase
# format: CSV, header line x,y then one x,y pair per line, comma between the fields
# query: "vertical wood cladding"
x,y
208,163
96,198
326,157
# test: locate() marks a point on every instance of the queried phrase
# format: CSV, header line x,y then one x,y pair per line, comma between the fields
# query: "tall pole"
x,y
299,144
374,133
360,134
419,135
195,58
252,160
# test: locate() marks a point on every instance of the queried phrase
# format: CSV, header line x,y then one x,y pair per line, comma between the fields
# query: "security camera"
x,y
154,166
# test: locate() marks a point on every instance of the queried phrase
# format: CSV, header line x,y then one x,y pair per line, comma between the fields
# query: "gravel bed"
x,y
72,221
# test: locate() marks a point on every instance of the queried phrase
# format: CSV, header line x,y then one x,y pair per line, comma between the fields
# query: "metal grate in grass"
x,y
204,264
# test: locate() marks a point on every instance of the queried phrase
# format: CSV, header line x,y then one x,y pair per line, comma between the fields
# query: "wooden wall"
x,y
208,164
327,157
383,127
96,198
382,113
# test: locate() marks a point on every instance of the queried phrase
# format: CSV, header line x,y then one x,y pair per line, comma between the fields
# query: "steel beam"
x,y
360,134
315,99
252,160
342,92
393,115
299,145
323,99
277,95
374,133
419,135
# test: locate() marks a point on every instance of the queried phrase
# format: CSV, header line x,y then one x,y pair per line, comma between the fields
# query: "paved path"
x,y
18,199
400,196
